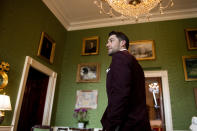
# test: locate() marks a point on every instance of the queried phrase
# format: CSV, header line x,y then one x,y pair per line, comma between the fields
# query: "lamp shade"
x,y
5,103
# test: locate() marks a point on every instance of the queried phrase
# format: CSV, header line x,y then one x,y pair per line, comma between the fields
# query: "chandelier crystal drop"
x,y
131,8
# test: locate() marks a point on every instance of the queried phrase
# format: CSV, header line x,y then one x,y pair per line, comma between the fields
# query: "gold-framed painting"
x,y
90,45
191,37
190,67
46,49
142,50
88,72
86,99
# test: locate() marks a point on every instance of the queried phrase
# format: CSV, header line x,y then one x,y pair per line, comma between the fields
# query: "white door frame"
x,y
166,95
30,62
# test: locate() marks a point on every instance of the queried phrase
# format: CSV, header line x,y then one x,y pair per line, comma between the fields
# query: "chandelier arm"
x,y
111,12
102,10
170,3
148,16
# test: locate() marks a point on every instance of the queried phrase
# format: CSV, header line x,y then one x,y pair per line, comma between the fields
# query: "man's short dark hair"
x,y
121,36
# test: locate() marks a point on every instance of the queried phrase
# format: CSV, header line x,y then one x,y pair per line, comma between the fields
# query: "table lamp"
x,y
4,106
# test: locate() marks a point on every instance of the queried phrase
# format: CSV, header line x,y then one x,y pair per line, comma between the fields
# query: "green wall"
x,y
170,46
21,24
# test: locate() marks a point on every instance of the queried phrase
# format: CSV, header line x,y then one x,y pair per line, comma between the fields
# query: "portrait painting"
x,y
191,37
88,72
90,46
190,67
142,50
86,99
46,48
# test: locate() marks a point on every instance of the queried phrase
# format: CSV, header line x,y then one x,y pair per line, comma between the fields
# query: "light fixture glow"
x,y
4,106
132,8
154,88
5,103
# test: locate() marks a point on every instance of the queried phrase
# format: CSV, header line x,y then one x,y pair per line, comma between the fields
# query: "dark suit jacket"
x,y
126,95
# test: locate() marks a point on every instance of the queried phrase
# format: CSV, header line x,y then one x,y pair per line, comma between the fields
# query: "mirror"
x,y
3,79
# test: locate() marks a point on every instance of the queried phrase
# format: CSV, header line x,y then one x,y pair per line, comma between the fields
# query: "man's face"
x,y
113,45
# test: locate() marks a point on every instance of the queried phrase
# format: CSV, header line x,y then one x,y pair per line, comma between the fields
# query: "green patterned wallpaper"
x,y
21,24
170,44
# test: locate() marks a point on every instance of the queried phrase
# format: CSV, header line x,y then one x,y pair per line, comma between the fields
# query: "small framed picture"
x,y
46,48
191,37
190,67
88,72
90,45
86,99
142,50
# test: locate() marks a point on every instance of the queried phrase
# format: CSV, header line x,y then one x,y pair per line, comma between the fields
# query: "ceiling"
x,y
84,14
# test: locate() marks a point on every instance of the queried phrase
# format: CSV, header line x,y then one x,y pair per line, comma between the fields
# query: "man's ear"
x,y
123,43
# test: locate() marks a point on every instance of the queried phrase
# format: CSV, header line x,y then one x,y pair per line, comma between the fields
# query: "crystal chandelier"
x,y
131,8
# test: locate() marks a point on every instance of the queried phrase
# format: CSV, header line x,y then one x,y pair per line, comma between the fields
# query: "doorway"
x,y
39,79
32,108
154,101
158,100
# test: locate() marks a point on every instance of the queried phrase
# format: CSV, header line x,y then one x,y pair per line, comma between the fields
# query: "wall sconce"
x,y
154,88
5,105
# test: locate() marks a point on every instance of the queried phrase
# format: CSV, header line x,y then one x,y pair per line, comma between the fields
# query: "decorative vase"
x,y
81,125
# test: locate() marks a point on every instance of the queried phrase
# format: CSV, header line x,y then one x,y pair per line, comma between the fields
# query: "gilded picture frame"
x,y
46,49
191,38
86,99
3,80
142,50
90,46
190,67
88,72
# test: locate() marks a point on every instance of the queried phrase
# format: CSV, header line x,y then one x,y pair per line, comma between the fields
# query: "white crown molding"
x,y
169,15
57,11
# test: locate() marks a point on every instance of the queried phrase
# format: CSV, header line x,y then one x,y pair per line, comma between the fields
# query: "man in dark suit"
x,y
126,109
